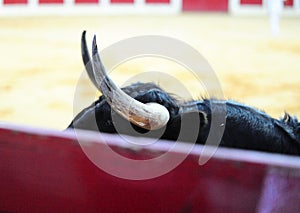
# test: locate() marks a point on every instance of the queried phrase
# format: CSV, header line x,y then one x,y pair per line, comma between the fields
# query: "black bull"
x,y
245,126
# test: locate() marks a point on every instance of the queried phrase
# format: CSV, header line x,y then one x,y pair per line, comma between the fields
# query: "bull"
x,y
156,113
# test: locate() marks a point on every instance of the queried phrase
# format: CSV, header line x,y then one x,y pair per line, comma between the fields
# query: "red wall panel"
x,y
51,1
121,1
205,5
259,2
288,2
86,1
15,1
158,1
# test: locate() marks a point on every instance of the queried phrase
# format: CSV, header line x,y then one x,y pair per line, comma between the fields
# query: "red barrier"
x,y
158,1
86,1
47,171
122,1
15,2
260,2
51,1
252,2
289,3
205,5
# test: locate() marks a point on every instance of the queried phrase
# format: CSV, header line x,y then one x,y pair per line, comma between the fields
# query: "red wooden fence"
x,y
47,171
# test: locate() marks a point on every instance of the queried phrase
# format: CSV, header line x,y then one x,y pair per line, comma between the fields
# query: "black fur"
x,y
246,127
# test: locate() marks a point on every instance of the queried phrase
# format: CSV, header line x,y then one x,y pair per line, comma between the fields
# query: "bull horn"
x,y
150,116
87,60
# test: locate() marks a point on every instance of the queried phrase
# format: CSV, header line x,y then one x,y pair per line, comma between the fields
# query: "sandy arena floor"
x,y
41,62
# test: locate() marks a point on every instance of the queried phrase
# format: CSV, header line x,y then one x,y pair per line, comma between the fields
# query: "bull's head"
x,y
246,127
150,116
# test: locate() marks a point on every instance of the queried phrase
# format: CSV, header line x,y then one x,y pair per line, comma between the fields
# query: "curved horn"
x,y
87,60
148,116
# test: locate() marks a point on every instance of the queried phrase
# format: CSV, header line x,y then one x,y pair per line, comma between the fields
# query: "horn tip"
x,y
94,46
83,35
162,113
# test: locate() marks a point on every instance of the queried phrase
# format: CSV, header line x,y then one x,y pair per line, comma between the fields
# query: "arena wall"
x,y
259,7
80,7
